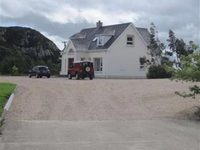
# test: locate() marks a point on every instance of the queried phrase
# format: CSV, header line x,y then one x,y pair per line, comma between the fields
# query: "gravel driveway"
x,y
99,99
101,114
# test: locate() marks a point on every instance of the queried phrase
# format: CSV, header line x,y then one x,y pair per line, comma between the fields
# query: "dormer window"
x,y
130,40
94,39
100,41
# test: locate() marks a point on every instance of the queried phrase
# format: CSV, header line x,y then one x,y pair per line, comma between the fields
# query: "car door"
x,y
34,70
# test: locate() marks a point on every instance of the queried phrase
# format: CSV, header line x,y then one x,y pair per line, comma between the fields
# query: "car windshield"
x,y
87,64
43,69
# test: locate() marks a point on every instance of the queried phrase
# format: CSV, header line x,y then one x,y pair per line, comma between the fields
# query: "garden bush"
x,y
157,71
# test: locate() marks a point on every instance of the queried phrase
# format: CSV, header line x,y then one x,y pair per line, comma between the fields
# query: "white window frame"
x,y
100,41
95,39
100,67
142,65
130,42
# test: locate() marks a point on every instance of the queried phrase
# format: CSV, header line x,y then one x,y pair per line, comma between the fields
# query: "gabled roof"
x,y
145,34
84,40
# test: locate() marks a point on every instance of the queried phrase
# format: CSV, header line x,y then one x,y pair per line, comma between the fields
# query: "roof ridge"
x,y
108,25
141,28
87,42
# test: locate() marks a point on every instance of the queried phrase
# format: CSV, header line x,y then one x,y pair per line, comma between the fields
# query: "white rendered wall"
x,y
65,56
122,59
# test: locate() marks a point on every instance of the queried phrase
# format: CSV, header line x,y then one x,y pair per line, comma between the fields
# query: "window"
x,y
70,62
98,65
100,41
95,39
82,58
35,68
143,61
130,40
71,51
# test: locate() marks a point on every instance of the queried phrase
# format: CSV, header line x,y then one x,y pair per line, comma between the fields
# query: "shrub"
x,y
190,72
190,68
15,71
158,72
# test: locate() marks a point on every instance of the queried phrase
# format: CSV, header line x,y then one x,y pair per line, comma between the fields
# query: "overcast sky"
x,y
58,19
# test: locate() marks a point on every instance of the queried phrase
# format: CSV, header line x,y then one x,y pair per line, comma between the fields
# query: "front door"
x,y
70,62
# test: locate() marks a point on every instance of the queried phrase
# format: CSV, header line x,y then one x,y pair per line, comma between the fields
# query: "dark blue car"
x,y
39,72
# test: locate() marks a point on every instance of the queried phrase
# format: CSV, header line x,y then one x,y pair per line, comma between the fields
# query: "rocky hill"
x,y
23,48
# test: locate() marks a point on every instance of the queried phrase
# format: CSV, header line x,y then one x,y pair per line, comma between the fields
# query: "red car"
x,y
81,70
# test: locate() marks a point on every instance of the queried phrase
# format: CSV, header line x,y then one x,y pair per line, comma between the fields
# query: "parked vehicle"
x,y
81,70
39,72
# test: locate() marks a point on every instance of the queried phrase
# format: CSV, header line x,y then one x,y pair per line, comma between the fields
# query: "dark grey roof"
x,y
144,33
84,39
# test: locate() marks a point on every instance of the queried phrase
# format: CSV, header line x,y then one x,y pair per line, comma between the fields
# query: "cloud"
x,y
50,29
56,39
61,18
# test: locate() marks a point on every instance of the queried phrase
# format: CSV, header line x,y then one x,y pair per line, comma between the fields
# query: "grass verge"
x,y
6,90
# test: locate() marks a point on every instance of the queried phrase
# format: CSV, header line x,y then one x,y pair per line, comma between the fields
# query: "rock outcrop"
x,y
24,47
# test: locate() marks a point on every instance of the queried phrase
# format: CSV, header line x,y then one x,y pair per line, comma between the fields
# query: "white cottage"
x,y
116,50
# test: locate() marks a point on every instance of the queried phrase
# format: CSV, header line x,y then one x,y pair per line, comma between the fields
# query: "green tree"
x,y
6,65
192,47
155,45
190,72
157,71
15,71
180,47
172,41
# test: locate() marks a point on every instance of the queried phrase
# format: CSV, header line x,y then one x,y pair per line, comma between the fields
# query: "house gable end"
x,y
141,35
131,30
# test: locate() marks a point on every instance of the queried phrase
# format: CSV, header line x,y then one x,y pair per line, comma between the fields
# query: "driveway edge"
x,y
6,108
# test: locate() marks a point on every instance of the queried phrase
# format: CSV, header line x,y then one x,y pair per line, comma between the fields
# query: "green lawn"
x,y
5,91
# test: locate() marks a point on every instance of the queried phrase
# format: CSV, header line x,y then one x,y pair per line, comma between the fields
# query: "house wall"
x,y
63,63
80,55
65,56
122,60
102,55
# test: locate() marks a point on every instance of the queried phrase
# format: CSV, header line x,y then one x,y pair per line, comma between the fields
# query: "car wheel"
x,y
91,77
87,69
77,76
48,76
37,76
69,76
29,76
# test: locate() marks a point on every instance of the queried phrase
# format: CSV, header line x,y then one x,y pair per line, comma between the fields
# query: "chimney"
x,y
99,24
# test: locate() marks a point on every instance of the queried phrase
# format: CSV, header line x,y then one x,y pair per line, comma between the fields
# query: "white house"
x,y
116,50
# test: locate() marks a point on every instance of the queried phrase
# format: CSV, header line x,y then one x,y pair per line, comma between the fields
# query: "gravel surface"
x,y
99,99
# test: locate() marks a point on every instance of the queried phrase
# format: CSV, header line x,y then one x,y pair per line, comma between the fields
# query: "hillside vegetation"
x,y
21,48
